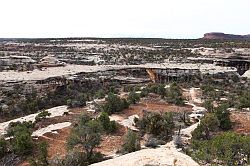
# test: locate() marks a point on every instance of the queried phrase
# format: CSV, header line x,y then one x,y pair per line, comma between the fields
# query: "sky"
x,y
122,18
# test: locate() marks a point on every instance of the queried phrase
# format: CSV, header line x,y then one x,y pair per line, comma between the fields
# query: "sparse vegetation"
x,y
160,125
223,116
42,159
208,124
133,97
3,148
22,143
227,149
131,142
174,94
86,135
42,115
108,126
114,104
244,100
158,89
214,141
208,104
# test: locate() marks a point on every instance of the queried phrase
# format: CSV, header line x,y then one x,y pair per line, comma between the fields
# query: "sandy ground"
x,y
57,138
165,155
56,131
187,131
153,106
111,143
241,122
195,95
57,142
126,117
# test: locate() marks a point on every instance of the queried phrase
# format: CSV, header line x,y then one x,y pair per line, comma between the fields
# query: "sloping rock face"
x,y
166,155
223,36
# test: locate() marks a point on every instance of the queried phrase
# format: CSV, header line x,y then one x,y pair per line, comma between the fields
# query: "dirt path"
x,y
194,94
165,155
162,156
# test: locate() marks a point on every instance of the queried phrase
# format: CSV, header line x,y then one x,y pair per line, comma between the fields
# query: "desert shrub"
x,y
144,92
124,104
15,126
133,97
227,149
208,124
87,136
174,94
160,125
157,89
208,104
72,158
108,126
244,100
154,142
76,158
22,143
43,153
113,90
100,94
178,141
131,142
114,104
42,159
223,116
42,115
207,89
76,101
3,147
113,126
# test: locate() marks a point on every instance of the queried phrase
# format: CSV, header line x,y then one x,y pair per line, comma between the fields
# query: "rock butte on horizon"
x,y
223,36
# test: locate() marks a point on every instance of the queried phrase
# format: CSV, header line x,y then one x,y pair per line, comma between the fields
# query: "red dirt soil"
x,y
241,122
110,143
155,106
57,142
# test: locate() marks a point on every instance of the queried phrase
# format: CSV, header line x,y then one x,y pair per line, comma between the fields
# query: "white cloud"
x,y
113,18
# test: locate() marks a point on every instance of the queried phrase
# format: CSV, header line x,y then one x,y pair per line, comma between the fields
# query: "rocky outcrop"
x,y
50,61
166,155
223,36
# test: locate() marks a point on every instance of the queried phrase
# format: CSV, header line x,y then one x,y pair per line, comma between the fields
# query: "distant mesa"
x,y
223,36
